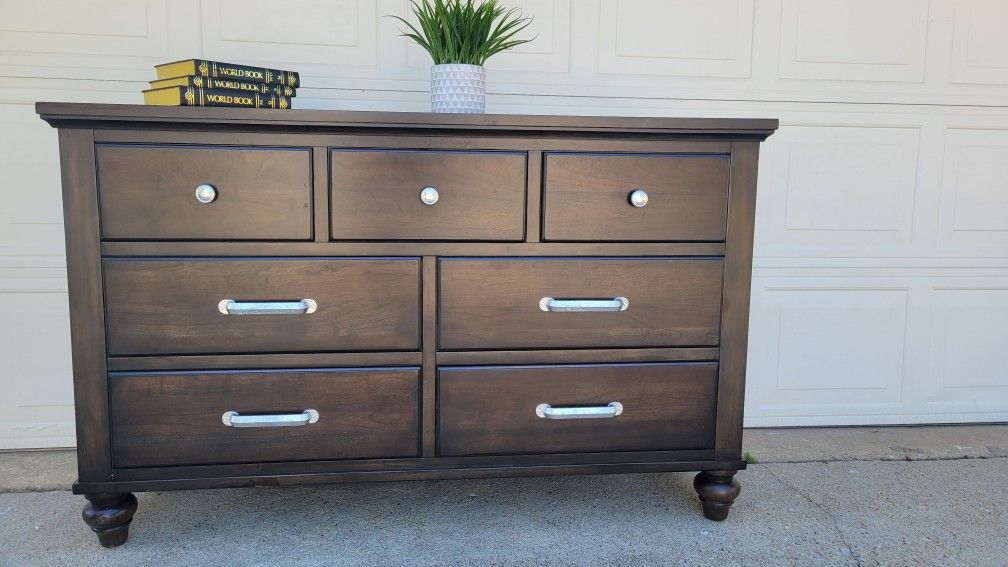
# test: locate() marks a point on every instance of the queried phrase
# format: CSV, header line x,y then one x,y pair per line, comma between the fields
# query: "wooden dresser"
x,y
287,297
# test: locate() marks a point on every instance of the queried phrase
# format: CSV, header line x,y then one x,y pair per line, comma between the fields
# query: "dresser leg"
x,y
109,515
718,491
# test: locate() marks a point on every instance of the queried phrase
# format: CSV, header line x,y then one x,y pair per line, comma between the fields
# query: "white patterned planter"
x,y
458,88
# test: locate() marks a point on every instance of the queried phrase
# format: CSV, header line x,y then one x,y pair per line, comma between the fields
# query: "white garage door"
x,y
880,288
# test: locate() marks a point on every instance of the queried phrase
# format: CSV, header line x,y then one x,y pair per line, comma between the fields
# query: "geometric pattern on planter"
x,y
458,88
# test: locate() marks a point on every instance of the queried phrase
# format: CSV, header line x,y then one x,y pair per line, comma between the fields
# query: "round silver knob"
x,y
429,195
638,198
206,193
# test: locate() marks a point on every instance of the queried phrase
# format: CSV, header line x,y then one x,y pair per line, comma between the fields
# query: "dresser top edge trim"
x,y
67,114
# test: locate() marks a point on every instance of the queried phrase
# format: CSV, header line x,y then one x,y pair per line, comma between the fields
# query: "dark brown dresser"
x,y
287,297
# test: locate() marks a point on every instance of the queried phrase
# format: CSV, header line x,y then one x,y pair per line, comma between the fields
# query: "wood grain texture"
x,y
175,418
494,303
320,196
169,306
87,312
376,195
491,410
735,304
586,197
148,193
533,197
428,385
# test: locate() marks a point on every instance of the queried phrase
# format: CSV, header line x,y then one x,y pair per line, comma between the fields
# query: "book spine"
x,y
195,96
265,88
220,70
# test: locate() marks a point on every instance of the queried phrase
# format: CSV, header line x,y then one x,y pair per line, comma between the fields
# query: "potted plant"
x,y
460,35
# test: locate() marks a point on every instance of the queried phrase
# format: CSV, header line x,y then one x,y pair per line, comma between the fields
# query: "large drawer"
x,y
576,408
588,197
151,193
161,419
506,303
376,195
205,306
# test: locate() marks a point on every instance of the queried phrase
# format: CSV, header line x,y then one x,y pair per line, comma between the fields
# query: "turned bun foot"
x,y
109,516
718,491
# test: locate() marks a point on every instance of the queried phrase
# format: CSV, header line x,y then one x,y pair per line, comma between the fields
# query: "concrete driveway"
x,y
883,496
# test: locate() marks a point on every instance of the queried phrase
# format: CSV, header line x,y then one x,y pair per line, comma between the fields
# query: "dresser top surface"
x,y
66,114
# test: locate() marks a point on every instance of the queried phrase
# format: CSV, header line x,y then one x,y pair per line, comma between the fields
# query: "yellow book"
x,y
218,70
193,96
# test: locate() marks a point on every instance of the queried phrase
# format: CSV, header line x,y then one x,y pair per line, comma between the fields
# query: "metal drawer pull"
x,y
429,195
206,193
235,419
300,307
583,305
638,198
547,411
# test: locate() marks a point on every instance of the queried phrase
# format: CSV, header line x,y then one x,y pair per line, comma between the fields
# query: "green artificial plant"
x,y
464,31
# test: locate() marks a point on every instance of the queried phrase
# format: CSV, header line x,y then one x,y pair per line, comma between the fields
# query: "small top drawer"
x,y
204,193
376,195
678,197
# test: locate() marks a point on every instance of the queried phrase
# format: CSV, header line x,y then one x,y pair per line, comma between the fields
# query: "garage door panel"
x,y
969,358
854,40
877,346
826,344
979,42
973,215
36,398
831,189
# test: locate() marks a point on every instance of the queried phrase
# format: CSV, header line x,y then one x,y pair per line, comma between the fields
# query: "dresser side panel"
x,y
87,309
735,300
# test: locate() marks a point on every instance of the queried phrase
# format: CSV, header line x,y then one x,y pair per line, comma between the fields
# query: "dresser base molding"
x,y
186,482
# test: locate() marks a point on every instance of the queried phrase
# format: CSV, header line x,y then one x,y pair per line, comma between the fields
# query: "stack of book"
x,y
197,82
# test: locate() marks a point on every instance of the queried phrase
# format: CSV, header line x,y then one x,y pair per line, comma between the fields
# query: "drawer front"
x,y
588,197
376,195
149,193
573,408
163,419
501,303
174,306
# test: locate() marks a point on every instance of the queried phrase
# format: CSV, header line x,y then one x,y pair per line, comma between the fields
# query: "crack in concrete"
x,y
893,459
825,510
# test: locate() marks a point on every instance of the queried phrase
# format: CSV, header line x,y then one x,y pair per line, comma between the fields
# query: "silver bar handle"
x,y
583,305
234,307
235,419
547,411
